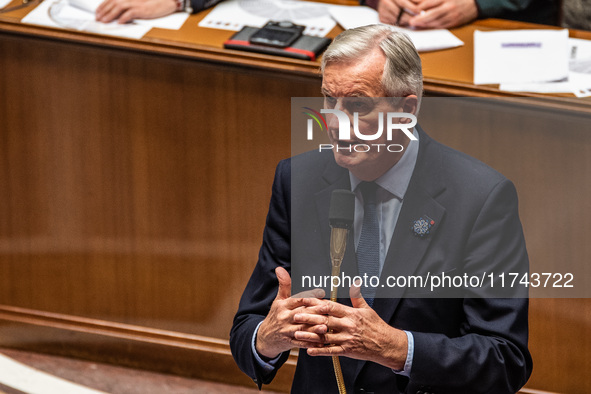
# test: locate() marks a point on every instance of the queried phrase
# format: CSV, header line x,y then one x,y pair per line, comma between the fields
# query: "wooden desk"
x,y
136,174
447,72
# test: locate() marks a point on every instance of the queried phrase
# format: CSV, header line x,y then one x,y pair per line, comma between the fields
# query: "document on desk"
x,y
80,15
520,56
4,3
579,74
235,14
350,17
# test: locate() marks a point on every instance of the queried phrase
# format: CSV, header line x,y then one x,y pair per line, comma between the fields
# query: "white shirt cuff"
x,y
268,366
409,355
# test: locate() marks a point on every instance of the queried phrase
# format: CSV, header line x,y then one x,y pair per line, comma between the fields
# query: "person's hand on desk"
x,y
127,10
388,11
429,14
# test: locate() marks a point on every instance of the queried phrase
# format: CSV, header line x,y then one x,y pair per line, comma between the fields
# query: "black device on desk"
x,y
277,34
278,38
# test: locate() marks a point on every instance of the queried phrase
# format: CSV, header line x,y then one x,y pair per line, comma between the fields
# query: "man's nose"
x,y
332,120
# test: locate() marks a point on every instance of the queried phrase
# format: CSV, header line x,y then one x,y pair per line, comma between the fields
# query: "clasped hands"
x,y
328,328
427,14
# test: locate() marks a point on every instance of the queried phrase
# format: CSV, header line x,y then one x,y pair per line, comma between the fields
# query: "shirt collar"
x,y
397,178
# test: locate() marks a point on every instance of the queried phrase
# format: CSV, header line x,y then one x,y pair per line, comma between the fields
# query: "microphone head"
x,y
342,209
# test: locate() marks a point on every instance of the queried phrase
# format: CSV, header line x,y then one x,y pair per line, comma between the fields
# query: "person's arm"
x,y
200,5
432,14
266,311
125,11
388,10
441,14
426,14
262,287
496,8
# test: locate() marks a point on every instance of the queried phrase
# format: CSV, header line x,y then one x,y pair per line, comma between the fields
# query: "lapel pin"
x,y
422,226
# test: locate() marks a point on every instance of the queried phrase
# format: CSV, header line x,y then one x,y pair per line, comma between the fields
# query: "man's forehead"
x,y
358,77
352,85
353,92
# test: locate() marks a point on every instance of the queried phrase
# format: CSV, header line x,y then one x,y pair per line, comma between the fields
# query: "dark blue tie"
x,y
368,249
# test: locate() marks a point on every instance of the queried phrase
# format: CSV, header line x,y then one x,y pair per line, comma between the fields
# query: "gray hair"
x,y
402,71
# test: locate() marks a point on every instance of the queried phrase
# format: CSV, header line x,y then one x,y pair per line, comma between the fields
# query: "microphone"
x,y
340,218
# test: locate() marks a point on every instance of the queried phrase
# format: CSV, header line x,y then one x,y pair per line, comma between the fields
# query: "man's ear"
x,y
409,104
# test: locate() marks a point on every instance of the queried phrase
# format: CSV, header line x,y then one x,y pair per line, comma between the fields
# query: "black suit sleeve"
x,y
200,5
496,8
535,11
262,287
490,355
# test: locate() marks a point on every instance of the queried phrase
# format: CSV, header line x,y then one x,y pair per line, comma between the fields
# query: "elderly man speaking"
x,y
423,209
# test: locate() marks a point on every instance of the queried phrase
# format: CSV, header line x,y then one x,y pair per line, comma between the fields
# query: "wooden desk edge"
x,y
293,67
167,48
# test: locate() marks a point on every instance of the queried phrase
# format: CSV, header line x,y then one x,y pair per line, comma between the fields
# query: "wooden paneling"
x,y
133,346
134,189
560,344
547,154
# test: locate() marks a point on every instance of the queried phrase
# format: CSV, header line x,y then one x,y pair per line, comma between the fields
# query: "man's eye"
x,y
330,101
360,106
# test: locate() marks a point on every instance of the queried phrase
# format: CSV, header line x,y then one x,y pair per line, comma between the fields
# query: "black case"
x,y
305,47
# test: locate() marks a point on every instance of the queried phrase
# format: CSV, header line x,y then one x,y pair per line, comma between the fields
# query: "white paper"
x,y
28,380
555,87
579,75
171,22
235,14
61,14
86,5
581,84
350,17
4,3
520,56
433,40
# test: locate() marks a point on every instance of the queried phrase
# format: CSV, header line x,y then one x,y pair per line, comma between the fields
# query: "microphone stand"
x,y
341,214
338,243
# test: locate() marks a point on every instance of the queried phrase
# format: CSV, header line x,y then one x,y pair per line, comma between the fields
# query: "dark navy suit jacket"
x,y
462,345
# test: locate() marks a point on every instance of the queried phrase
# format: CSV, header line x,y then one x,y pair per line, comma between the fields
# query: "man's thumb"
x,y
357,299
284,283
